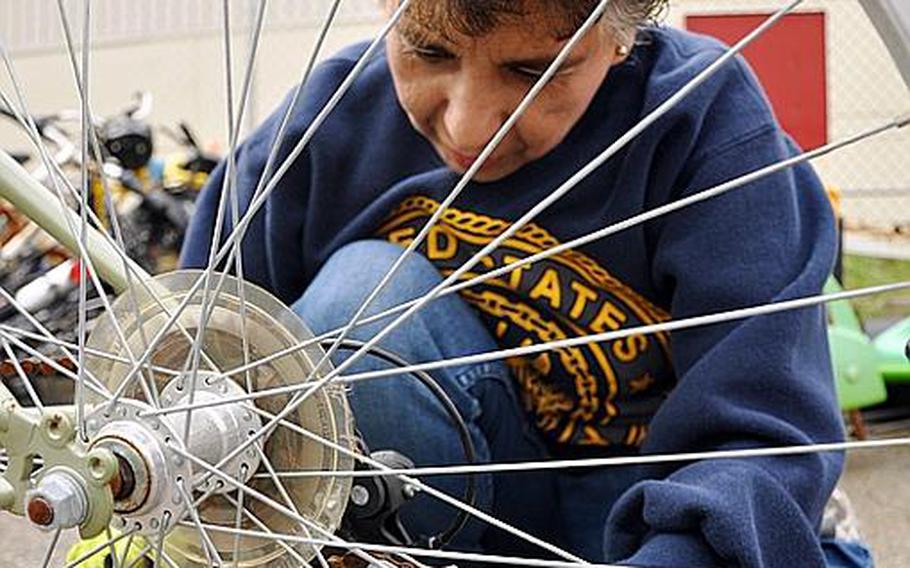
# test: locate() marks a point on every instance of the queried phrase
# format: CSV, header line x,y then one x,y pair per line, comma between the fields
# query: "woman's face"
x,y
458,91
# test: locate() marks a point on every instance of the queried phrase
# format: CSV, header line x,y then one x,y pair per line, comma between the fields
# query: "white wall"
x,y
176,53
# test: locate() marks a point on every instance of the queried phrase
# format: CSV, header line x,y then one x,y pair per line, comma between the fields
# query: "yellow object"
x,y
835,196
175,175
131,557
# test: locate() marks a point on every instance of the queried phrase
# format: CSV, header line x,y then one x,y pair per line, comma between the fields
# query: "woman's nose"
x,y
474,114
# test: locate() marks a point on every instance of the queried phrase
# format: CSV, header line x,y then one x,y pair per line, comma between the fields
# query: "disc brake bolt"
x,y
360,496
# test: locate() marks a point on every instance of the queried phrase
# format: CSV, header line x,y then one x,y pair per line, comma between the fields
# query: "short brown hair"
x,y
478,17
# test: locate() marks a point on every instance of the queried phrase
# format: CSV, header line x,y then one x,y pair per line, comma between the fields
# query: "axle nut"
x,y
58,501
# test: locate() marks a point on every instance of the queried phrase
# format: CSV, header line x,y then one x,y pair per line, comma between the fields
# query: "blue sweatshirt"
x,y
761,382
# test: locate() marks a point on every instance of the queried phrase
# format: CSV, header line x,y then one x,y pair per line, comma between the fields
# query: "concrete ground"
x,y
877,481
24,547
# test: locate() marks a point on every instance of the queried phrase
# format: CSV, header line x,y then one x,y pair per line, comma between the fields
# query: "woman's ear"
x,y
617,45
622,53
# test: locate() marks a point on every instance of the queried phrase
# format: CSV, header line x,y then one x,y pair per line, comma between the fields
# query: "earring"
x,y
622,50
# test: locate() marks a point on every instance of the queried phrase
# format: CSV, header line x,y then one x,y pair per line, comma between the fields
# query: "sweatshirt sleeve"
x,y
760,382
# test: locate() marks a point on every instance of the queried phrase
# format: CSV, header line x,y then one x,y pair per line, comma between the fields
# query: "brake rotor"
x,y
269,327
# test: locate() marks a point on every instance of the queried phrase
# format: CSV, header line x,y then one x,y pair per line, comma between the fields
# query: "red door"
x,y
789,59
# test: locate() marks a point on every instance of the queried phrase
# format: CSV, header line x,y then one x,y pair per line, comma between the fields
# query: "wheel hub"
x,y
151,467
216,430
148,445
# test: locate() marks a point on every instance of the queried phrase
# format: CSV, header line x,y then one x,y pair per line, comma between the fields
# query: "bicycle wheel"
x,y
195,389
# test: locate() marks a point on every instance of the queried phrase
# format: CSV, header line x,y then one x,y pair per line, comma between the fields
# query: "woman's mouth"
x,y
465,161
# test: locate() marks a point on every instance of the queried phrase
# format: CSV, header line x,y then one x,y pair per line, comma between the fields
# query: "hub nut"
x,y
59,502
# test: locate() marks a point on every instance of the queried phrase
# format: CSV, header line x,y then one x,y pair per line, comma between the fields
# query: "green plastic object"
x,y
855,358
890,347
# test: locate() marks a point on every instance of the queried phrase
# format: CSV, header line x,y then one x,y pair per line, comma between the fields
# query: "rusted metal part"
x,y
35,368
40,512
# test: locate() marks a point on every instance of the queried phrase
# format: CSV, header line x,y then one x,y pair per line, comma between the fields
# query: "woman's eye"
x,y
432,54
528,72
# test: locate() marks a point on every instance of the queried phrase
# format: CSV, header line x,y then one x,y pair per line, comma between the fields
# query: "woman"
x,y
450,74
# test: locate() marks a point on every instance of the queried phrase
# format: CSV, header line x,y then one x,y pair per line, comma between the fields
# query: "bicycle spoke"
x,y
575,179
83,218
208,547
264,460
271,474
227,248
120,248
238,523
131,269
238,503
674,325
213,262
176,313
28,122
279,137
108,199
273,152
26,382
235,197
113,553
229,191
64,345
662,109
98,389
31,319
438,554
49,555
500,354
159,541
126,549
612,229
170,562
488,150
143,555
259,199
320,557
250,491
432,491
191,364
587,463
88,555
